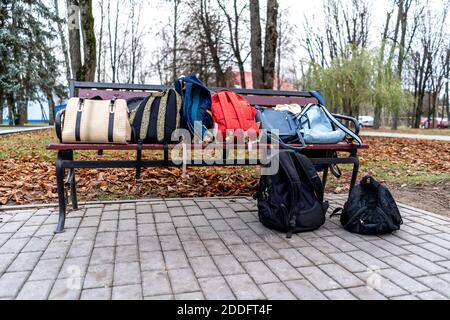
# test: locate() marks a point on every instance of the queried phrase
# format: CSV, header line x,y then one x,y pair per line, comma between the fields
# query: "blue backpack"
x,y
196,104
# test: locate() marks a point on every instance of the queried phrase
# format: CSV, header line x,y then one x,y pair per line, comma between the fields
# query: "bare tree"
x,y
62,39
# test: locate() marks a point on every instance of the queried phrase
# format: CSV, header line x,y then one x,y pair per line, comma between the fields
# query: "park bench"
x,y
322,155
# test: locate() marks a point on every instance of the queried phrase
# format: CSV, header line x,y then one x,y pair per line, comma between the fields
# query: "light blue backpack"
x,y
319,126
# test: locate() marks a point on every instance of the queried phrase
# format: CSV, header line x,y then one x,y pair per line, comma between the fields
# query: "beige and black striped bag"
x,y
157,117
96,121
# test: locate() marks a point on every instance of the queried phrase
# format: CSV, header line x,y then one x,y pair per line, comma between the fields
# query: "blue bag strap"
x,y
318,96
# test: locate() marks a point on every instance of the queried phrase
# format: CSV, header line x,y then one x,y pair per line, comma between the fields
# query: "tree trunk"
x,y
89,41
256,45
270,44
377,117
100,42
11,102
73,24
62,39
175,39
51,107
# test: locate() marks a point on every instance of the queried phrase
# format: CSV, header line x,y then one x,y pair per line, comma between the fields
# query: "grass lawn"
x,y
27,172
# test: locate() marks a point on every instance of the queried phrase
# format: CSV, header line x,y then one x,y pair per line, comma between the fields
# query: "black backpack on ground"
x,y
370,209
291,201
156,117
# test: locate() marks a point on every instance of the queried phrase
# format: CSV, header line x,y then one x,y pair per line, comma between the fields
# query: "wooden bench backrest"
x,y
267,98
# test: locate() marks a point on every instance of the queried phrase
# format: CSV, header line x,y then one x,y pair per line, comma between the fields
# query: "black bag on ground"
x,y
156,117
291,201
370,209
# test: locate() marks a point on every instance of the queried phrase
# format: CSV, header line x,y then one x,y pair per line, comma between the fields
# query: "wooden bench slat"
x,y
87,146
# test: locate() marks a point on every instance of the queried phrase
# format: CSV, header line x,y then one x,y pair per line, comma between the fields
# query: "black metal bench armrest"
x,y
58,124
353,120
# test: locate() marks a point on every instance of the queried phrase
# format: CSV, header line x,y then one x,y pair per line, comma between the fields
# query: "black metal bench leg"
x,y
354,173
73,190
61,193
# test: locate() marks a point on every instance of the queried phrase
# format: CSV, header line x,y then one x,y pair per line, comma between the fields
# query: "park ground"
x,y
416,171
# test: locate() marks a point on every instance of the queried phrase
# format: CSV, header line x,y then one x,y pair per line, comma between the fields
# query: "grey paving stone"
x,y
405,267
35,290
264,251
366,293
249,236
220,225
145,218
403,281
236,224
143,208
259,272
90,222
80,248
74,268
322,245
105,239
204,267
110,215
11,227
367,260
243,287
194,248
108,226
56,250
22,216
126,238
162,217
295,258
390,247
339,294
46,269
243,253
88,233
127,214
35,220
4,237
183,280
159,207
436,284
407,297
211,213
171,242
216,247
155,283
431,295
304,290
314,255
5,260
345,278
111,207
175,259
176,211
375,280
127,254
436,249
190,296
283,270
25,232
372,249
424,253
72,223
146,229
128,292
37,244
424,264
228,264
63,290
127,273
187,234
230,237
340,243
193,210
99,276
24,262
318,278
296,241
166,228
152,261
180,222
199,221
216,288
96,294
11,282
149,244
207,233
276,291
14,245
93,211
102,255
127,206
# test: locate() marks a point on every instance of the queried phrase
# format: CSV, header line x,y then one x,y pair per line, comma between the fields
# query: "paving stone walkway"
x,y
215,249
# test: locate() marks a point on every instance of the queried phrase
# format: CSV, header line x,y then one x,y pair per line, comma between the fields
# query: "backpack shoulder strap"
x,y
237,109
311,175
